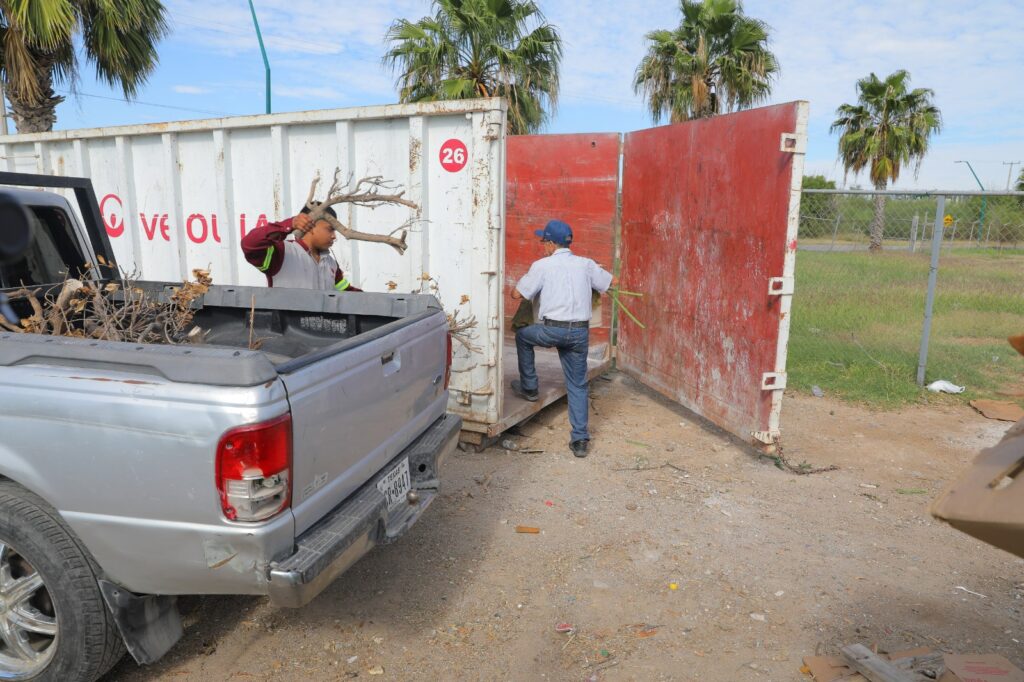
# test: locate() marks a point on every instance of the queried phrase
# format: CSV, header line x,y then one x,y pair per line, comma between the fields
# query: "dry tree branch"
x,y
462,330
370,192
92,310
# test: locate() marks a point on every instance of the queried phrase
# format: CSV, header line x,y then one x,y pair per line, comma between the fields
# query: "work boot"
x,y
518,389
579,447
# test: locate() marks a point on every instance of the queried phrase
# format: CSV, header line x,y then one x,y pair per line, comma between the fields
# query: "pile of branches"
x,y
370,192
461,325
113,312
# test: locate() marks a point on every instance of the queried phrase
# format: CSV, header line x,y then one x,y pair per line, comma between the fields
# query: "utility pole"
x,y
3,109
981,218
263,51
1009,176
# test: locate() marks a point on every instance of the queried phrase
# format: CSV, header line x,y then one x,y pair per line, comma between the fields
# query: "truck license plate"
x,y
395,484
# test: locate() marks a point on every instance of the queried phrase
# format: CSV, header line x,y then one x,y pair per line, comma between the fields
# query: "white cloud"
x,y
300,92
190,90
972,63
972,58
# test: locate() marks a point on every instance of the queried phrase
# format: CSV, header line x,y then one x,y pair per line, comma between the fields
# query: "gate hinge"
x,y
793,143
781,286
773,381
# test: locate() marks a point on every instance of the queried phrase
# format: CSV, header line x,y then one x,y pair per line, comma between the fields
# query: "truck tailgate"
x,y
356,406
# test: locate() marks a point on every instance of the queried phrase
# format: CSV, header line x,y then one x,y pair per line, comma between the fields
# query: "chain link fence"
x,y
843,221
862,289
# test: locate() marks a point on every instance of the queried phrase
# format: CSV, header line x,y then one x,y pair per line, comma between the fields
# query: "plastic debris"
x,y
377,670
817,392
549,503
673,586
527,529
565,627
758,617
943,386
510,445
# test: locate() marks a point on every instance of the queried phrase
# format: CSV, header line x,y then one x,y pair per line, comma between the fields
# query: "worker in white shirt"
x,y
563,282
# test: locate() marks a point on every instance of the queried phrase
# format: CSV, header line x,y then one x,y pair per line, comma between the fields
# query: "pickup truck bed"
x,y
303,429
361,376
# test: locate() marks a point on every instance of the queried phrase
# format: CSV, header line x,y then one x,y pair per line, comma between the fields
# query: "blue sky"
x,y
327,54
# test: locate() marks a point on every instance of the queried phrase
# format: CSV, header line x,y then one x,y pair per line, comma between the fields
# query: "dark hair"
x,y
305,209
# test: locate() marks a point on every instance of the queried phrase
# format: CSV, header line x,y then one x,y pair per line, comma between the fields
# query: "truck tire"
x,y
54,624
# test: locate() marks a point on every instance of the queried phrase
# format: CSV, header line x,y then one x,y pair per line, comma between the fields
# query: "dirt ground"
x,y
719,567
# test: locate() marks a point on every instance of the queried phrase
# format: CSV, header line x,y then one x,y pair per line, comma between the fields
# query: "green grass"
x,y
857,318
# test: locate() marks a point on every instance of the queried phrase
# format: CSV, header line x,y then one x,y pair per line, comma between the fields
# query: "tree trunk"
x,y
878,224
30,115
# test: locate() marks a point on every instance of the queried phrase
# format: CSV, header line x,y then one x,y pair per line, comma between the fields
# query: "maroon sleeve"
x,y
263,240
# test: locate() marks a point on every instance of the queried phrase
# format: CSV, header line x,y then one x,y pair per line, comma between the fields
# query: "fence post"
x,y
835,232
913,232
933,271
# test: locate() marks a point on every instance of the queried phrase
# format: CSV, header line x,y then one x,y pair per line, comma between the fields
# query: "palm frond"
x,y
888,129
716,60
480,48
38,40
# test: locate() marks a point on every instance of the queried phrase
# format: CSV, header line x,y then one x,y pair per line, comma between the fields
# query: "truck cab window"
x,y
53,255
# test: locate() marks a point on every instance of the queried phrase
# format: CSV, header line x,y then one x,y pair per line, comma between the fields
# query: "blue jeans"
x,y
572,345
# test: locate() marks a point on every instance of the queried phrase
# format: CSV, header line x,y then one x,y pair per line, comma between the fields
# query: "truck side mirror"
x,y
16,230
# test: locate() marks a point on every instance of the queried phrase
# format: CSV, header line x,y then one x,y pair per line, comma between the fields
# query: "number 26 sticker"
x,y
453,155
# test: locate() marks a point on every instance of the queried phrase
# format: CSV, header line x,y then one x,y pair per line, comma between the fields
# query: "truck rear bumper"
x,y
363,521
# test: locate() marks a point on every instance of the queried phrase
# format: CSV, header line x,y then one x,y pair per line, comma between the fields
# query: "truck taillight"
x,y
448,366
254,470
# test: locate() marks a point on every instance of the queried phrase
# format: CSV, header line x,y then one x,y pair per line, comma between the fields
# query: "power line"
x,y
148,104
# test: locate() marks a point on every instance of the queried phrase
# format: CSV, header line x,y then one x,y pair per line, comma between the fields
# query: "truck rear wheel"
x,y
54,624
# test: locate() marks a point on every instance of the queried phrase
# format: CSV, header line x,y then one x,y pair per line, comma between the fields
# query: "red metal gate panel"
x,y
709,217
570,177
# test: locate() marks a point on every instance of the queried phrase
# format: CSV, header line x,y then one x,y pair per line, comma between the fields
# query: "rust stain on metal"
x,y
702,231
415,154
132,382
569,177
223,562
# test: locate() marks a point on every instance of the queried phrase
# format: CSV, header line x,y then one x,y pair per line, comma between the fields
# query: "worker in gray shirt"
x,y
563,282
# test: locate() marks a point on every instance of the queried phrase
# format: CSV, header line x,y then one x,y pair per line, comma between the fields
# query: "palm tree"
x,y
38,49
716,61
888,128
480,48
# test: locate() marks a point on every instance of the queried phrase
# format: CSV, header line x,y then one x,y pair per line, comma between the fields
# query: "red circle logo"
x,y
110,206
453,155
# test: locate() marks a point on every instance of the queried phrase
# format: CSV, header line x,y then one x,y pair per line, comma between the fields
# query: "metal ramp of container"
x,y
515,410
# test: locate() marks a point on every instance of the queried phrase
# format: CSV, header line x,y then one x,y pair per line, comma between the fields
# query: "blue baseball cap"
x,y
557,232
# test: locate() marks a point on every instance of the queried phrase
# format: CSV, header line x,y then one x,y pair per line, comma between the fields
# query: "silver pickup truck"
x,y
131,473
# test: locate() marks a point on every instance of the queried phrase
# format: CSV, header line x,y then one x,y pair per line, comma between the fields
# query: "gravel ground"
x,y
672,551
